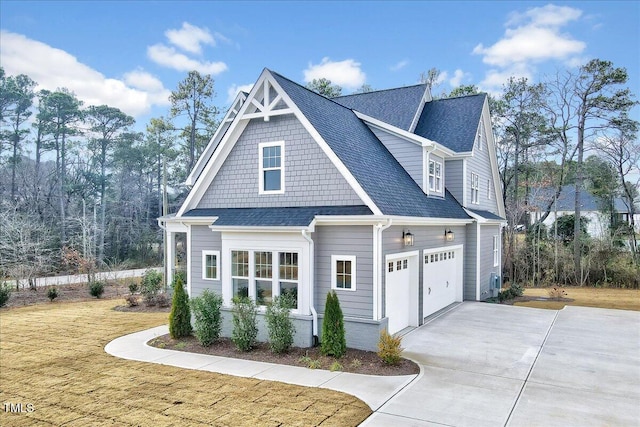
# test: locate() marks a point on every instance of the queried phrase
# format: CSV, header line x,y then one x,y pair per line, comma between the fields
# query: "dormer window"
x,y
271,158
435,176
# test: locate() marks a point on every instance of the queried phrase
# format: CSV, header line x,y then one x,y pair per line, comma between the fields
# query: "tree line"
x,y
78,182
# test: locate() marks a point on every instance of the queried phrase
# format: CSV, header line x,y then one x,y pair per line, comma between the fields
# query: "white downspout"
x,y
165,260
377,276
314,313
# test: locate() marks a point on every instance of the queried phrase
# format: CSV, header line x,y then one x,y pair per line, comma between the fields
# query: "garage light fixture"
x,y
407,238
449,236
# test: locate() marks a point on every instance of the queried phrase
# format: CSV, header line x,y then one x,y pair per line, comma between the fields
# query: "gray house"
x,y
390,198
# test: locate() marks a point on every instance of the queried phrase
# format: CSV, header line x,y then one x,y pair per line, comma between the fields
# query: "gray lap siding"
x,y
486,258
345,240
202,238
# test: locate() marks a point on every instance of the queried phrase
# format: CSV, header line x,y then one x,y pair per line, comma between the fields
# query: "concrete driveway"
x,y
499,365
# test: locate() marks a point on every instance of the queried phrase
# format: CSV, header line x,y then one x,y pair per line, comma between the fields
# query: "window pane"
x,y
290,289
210,267
289,265
264,292
240,288
264,267
272,180
240,263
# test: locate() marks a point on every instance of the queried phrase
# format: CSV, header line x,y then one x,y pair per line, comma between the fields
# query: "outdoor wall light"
x,y
449,236
407,238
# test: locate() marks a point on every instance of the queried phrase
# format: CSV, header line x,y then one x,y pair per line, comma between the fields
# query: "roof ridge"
x,y
381,90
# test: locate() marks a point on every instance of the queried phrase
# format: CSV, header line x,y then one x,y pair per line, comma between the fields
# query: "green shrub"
x,y
516,290
52,293
208,321
336,366
150,286
310,363
5,293
333,335
180,316
245,326
133,288
389,348
279,324
96,289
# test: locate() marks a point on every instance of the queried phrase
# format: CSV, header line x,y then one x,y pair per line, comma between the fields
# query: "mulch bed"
x,y
533,298
73,292
354,361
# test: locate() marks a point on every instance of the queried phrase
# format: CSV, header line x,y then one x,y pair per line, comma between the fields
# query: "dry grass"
x,y
622,299
52,356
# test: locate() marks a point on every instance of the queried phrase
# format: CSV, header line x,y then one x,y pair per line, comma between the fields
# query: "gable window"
x,y
475,190
343,272
489,189
435,176
210,265
479,136
496,250
271,158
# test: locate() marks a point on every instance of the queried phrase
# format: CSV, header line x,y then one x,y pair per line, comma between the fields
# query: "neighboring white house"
x,y
389,198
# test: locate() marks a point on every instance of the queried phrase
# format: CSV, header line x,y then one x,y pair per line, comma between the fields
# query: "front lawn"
x,y
622,299
52,361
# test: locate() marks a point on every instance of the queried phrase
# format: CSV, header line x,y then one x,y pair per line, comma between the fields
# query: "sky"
x,y
131,54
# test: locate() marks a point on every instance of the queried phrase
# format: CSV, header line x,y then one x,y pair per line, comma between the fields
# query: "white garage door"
x,y
442,279
398,294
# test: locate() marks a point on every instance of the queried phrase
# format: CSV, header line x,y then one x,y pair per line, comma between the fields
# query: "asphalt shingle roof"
x,y
452,122
274,217
566,200
396,107
486,214
373,166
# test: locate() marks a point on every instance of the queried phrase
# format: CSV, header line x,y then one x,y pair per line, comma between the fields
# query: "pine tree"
x,y
180,316
333,335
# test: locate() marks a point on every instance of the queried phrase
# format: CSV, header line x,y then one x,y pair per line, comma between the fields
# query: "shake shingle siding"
x,y
310,177
345,240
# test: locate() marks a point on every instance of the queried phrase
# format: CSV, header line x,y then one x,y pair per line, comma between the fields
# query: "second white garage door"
x,y
401,291
442,278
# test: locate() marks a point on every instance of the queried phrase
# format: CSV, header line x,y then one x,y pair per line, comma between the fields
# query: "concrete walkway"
x,y
373,390
481,365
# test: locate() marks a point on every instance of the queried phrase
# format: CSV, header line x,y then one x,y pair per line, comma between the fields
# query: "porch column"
x,y
171,258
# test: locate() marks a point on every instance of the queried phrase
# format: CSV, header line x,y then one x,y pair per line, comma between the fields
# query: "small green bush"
x,y
336,366
333,335
52,293
180,316
5,293
245,326
516,290
310,363
208,320
150,286
389,348
96,289
133,288
279,324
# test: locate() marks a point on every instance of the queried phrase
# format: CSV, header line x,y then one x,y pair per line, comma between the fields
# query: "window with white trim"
x,y
211,265
240,273
488,189
475,190
271,158
479,135
343,272
496,250
261,275
435,176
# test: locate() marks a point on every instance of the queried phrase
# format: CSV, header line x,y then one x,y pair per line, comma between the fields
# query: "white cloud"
x,y
531,38
168,57
190,38
234,89
54,68
458,76
400,65
345,73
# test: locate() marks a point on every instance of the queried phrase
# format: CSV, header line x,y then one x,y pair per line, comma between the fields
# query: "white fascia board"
x,y
197,220
206,154
462,155
411,220
346,219
485,221
344,171
258,229
376,219
491,147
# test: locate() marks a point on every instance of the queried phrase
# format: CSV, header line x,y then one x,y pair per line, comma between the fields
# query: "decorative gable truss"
x,y
265,100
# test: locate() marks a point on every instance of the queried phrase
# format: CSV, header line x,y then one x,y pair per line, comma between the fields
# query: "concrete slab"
x,y
373,390
380,419
237,367
297,375
456,398
548,405
185,360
